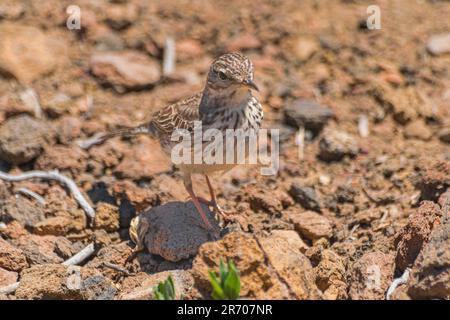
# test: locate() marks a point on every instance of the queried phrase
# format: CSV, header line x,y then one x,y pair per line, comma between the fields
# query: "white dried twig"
x,y
401,280
169,57
33,195
98,138
10,288
300,141
80,256
54,175
30,98
363,126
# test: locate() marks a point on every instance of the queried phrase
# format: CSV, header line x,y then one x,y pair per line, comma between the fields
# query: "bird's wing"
x,y
180,115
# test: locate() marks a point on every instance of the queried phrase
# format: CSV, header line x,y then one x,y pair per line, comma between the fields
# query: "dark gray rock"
x,y
335,145
22,139
305,196
176,230
308,114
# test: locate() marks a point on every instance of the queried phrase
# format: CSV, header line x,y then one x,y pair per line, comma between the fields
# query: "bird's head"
x,y
231,72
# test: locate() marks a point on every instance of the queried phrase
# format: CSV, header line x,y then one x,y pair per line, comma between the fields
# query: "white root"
x,y
169,57
33,195
80,256
401,280
54,175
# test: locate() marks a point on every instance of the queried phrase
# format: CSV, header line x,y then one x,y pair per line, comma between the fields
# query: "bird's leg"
x,y
214,203
190,190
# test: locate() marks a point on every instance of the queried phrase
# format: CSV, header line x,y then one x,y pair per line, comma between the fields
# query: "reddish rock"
x,y
7,277
331,276
283,267
72,159
418,130
116,254
69,129
125,69
142,285
55,281
371,276
11,257
188,49
311,225
40,249
107,217
22,210
304,48
291,237
411,238
143,160
44,52
265,200
430,275
243,42
140,198
335,145
56,226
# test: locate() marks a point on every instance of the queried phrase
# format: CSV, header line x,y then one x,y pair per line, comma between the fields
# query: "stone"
x,y
58,282
307,114
141,286
305,196
417,130
116,254
22,139
311,225
40,249
434,179
7,277
335,145
107,217
304,48
292,238
444,135
242,42
430,275
175,230
331,276
143,160
411,238
56,226
125,70
71,159
268,269
439,44
371,276
44,52
187,49
22,210
11,257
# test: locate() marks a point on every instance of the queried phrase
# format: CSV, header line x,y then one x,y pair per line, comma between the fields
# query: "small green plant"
x,y
226,285
164,290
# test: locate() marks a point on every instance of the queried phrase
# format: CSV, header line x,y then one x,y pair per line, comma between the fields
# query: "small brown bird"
x,y
225,103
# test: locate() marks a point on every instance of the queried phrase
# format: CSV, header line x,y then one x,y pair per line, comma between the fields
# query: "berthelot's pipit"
x,y
225,103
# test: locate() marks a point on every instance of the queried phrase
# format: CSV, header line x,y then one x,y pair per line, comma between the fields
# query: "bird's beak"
x,y
250,84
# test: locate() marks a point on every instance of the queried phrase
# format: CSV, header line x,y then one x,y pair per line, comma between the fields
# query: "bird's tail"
x,y
127,132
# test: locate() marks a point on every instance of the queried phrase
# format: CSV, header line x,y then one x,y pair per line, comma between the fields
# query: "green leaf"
x,y
232,284
217,293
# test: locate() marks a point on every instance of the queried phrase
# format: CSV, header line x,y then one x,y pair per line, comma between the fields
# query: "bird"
x,y
226,102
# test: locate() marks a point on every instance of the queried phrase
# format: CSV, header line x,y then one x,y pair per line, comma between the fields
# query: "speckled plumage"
x,y
225,103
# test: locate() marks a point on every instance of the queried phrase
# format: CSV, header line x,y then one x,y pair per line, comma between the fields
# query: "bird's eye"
x,y
222,75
